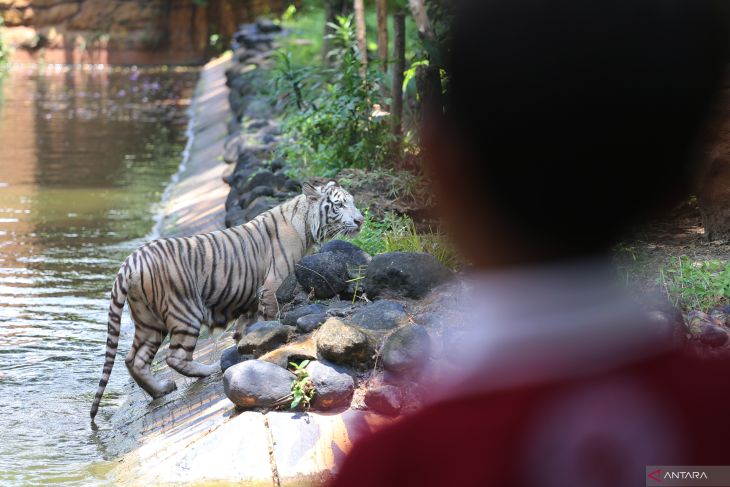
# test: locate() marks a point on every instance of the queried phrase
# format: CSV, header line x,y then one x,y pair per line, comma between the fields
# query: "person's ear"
x,y
311,192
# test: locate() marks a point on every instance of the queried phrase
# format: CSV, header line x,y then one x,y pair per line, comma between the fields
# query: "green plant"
x,y
302,388
691,284
331,122
398,233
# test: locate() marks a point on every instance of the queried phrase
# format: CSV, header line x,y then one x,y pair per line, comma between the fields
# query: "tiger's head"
x,y
332,211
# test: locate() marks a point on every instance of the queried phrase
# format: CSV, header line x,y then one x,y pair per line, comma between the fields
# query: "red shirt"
x,y
602,430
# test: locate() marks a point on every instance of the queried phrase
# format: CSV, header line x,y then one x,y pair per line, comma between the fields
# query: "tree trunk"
x,y
428,86
714,190
418,9
382,12
362,43
399,66
332,10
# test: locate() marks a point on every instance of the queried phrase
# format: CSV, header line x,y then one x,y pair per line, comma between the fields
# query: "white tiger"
x,y
176,285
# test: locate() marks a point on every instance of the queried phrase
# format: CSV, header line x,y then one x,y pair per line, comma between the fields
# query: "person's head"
x,y
568,121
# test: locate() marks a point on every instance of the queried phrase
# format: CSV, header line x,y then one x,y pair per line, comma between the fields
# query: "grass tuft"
x,y
698,285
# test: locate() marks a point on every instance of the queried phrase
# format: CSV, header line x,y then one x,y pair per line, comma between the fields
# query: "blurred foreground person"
x,y
568,123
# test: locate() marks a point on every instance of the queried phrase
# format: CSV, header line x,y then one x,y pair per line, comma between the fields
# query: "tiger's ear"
x,y
311,192
331,183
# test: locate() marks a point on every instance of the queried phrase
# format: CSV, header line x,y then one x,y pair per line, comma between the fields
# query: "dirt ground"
x,y
640,258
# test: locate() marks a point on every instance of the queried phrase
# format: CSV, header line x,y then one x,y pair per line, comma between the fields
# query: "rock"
x,y
695,320
332,388
290,318
258,108
407,350
262,178
304,349
256,125
255,383
668,325
308,323
385,399
267,26
235,217
277,164
231,357
356,261
352,254
713,335
343,344
232,199
232,147
260,205
293,186
403,274
237,180
720,315
380,315
247,198
324,273
289,291
262,337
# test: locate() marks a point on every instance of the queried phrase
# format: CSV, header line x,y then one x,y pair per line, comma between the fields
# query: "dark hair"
x,y
584,116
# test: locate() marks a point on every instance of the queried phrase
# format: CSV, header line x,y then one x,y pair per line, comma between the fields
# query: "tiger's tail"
x,y
118,298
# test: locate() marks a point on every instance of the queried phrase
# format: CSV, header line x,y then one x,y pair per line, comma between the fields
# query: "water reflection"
x,y
84,155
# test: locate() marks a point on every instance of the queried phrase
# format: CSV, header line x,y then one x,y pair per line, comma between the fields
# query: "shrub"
x,y
331,119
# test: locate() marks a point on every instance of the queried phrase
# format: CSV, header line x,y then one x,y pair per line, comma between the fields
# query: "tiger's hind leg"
x,y
147,340
183,338
268,307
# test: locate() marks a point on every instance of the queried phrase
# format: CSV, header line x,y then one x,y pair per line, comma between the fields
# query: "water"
x,y
84,157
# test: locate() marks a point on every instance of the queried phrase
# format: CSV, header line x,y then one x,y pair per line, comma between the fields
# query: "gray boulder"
x,y
290,318
713,335
404,274
290,291
255,383
234,217
343,344
266,25
324,273
260,205
263,337
231,357
380,315
352,254
258,108
263,178
667,325
246,198
232,147
232,199
385,399
308,323
332,388
356,261
407,350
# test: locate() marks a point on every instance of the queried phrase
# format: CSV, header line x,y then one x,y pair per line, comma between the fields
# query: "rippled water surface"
x,y
84,158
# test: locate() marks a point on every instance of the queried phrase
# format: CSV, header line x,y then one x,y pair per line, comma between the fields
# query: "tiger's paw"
x,y
167,387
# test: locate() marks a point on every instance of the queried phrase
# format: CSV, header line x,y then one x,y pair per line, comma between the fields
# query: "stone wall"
x,y
123,31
